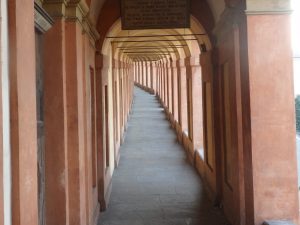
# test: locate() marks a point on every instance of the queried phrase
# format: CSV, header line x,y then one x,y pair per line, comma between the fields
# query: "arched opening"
x,y
176,66
224,84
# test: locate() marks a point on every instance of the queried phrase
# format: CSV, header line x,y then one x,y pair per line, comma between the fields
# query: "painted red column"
x,y
65,124
23,117
159,78
175,91
154,77
182,96
55,124
134,72
147,65
162,84
151,77
1,145
166,78
271,100
257,71
196,115
137,72
145,73
140,73
170,87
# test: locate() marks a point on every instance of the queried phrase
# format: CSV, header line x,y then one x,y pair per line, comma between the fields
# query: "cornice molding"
x,y
229,19
231,16
43,22
268,6
268,12
90,29
73,10
192,61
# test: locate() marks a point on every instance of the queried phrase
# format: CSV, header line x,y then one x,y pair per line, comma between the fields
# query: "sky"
x,y
296,27
296,43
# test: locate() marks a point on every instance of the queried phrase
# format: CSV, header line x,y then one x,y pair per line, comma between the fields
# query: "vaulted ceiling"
x,y
141,45
217,7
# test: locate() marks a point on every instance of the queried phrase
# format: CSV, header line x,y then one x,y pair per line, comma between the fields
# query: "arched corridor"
x,y
77,148
155,183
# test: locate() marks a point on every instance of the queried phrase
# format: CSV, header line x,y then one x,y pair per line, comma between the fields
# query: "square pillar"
x,y
175,90
170,87
254,52
23,114
182,95
195,112
166,81
272,117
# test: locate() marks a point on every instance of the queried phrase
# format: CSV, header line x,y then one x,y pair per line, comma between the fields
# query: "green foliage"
x,y
297,104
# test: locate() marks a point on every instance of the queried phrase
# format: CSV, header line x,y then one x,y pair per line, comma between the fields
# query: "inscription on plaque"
x,y
155,14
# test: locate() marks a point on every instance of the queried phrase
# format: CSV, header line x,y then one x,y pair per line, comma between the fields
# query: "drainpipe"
x,y
7,181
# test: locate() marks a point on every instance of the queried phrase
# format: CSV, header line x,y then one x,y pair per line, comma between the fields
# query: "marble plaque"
x,y
155,14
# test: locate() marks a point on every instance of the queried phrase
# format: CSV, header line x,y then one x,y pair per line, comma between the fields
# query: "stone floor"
x,y
154,184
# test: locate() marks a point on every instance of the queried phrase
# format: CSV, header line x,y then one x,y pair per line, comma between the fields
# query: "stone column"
x,y
134,72
166,79
273,157
258,64
99,127
194,78
170,87
158,79
162,82
66,117
55,124
175,91
182,96
23,118
147,74
154,77
144,73
209,124
138,72
141,73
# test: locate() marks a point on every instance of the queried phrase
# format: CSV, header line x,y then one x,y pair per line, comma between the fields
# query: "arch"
x,y
166,47
110,13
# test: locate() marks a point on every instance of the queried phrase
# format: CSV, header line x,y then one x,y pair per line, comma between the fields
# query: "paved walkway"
x,y
154,184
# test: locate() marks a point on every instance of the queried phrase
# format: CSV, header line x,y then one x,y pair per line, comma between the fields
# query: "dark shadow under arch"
x,y
111,12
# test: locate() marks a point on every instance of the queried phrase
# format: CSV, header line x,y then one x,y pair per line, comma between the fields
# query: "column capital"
x,y
181,62
206,58
115,63
192,61
72,10
43,22
174,64
98,61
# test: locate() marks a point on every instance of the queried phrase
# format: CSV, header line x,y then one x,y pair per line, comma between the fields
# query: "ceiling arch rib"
x,y
156,44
